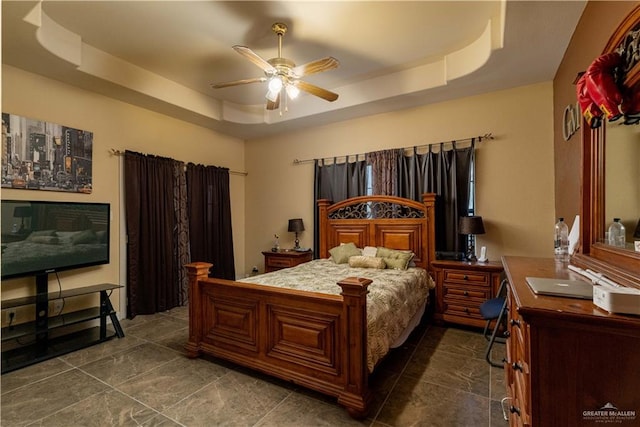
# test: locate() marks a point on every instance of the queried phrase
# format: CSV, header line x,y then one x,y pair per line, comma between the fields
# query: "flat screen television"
x,y
44,237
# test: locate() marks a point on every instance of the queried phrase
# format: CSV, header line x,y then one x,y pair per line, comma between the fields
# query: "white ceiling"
x,y
164,55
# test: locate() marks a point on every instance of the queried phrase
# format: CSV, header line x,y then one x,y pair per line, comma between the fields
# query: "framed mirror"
x,y
608,189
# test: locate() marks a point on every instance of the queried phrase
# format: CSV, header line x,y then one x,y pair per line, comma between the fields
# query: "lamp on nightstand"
x,y
471,225
22,212
296,226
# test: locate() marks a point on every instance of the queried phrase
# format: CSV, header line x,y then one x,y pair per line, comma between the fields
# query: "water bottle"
x,y
617,233
561,241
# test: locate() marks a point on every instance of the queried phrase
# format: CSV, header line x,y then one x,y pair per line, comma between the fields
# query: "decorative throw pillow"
x,y
369,251
395,259
86,236
367,262
341,254
41,233
47,240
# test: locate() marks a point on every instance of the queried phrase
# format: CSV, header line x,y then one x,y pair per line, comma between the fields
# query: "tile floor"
x,y
438,378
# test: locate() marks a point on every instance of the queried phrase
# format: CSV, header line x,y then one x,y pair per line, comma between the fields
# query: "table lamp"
x,y
471,225
22,212
296,226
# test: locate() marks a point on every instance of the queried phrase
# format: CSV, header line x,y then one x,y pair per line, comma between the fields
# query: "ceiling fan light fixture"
x,y
275,84
292,91
272,95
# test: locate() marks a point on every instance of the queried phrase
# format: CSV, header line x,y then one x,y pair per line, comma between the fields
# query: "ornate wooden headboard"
x,y
392,222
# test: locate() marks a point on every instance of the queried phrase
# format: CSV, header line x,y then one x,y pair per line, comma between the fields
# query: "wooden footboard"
x,y
318,341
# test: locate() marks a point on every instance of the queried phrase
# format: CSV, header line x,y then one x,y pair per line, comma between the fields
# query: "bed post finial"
x,y
356,395
196,271
323,204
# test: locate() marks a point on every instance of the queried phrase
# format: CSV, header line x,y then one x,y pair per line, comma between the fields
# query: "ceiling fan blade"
x,y
255,58
239,82
317,66
273,105
317,91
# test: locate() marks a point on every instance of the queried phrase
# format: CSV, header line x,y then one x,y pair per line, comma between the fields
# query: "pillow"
x,y
47,240
102,236
341,254
86,236
398,260
41,233
369,251
366,262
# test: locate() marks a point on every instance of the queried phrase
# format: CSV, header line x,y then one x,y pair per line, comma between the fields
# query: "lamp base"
x,y
471,254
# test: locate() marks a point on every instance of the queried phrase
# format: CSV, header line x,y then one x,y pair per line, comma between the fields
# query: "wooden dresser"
x,y
461,287
284,258
568,362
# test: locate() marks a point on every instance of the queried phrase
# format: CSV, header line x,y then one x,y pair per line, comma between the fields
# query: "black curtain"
x,y
337,182
209,208
152,266
447,173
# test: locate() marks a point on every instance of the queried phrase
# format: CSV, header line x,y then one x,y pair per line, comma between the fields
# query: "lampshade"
x,y
22,211
471,225
296,225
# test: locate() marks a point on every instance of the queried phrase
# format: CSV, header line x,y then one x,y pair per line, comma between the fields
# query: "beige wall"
x,y
514,171
514,175
119,126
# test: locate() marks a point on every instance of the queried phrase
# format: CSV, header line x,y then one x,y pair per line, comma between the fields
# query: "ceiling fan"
x,y
283,75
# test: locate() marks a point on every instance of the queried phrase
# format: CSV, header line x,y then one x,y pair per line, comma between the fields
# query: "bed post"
x,y
356,395
196,272
323,204
429,200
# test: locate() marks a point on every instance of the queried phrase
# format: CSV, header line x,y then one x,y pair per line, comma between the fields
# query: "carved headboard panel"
x,y
388,221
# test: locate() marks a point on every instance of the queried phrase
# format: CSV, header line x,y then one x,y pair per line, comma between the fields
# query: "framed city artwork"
x,y
39,155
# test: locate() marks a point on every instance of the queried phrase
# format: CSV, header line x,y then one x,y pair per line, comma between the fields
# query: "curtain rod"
x,y
478,138
115,152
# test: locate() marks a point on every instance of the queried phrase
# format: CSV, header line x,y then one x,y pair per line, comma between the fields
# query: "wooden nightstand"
x,y
461,287
285,258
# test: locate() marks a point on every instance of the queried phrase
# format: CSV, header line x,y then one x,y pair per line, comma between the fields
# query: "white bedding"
x,y
395,297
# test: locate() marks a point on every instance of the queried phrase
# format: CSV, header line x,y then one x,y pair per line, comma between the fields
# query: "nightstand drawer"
x,y
284,259
467,277
460,308
467,293
280,262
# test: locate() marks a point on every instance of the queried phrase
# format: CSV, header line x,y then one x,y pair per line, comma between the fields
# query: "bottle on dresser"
x,y
561,241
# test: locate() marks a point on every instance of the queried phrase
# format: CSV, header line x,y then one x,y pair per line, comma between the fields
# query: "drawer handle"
x,y
465,293
516,366
514,410
465,277
466,310
514,322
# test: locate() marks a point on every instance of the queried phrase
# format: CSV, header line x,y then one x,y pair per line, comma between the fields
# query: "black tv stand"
x,y
50,336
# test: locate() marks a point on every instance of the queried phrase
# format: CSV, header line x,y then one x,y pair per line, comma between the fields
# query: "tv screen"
x,y
43,237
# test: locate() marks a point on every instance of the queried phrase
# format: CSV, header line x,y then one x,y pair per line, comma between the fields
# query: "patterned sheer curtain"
x,y
336,182
153,221
447,173
384,171
182,251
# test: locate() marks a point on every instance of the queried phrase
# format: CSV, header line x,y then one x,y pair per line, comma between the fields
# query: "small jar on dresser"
x,y
461,287
277,260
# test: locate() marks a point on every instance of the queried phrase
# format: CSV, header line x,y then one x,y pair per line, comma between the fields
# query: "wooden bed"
x,y
315,340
